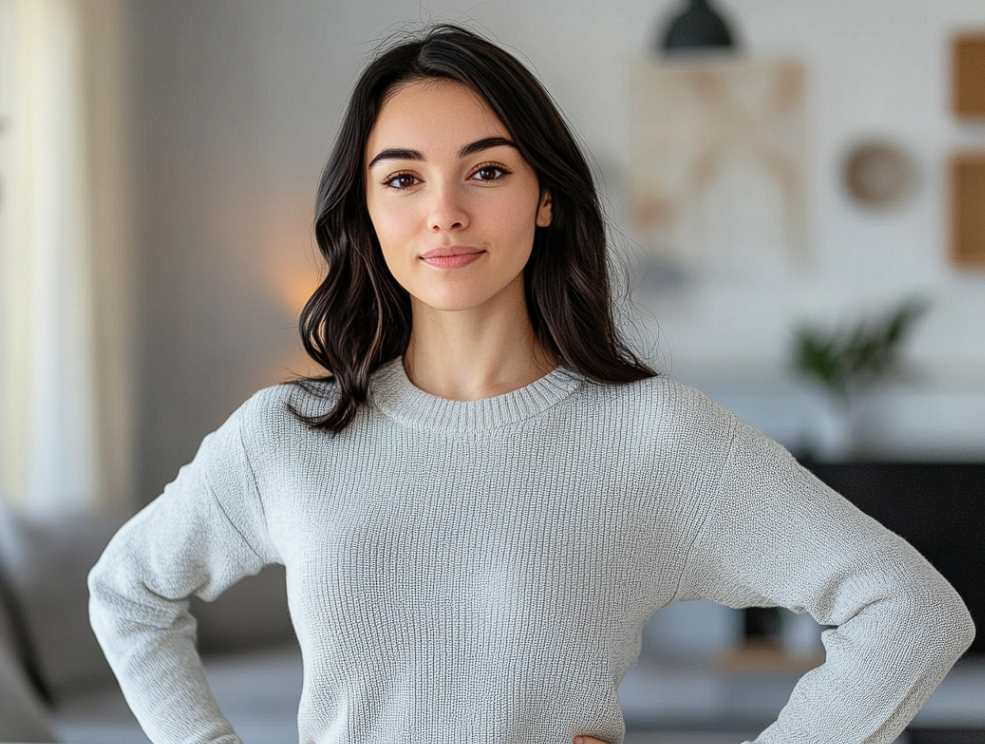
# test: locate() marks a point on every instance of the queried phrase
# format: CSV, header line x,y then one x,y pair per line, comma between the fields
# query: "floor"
x,y
744,704
697,737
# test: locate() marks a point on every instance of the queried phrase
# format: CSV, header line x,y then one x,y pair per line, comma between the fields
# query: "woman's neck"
x,y
470,355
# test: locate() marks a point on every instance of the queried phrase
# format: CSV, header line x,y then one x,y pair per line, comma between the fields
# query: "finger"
x,y
582,739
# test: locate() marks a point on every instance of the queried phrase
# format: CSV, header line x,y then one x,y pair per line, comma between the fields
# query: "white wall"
x,y
236,102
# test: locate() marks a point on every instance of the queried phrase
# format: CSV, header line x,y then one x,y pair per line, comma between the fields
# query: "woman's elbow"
x,y
963,628
948,626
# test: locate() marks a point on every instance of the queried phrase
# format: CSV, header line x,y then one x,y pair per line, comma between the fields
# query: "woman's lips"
x,y
452,256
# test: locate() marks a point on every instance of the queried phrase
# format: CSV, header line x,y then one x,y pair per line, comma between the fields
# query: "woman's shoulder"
x,y
307,396
661,395
661,412
280,410
657,422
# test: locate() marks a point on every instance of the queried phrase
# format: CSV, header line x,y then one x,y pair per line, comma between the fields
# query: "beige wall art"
x,y
718,164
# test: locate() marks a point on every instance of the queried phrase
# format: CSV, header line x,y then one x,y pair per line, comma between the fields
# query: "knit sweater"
x,y
480,571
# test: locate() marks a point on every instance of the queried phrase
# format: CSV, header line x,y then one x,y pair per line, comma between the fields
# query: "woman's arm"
x,y
777,536
200,536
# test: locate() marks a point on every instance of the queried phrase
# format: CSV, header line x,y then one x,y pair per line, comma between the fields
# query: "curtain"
x,y
65,310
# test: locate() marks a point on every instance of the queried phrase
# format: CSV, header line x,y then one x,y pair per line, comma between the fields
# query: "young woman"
x,y
490,495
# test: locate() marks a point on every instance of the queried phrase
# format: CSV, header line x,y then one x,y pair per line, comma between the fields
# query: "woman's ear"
x,y
544,210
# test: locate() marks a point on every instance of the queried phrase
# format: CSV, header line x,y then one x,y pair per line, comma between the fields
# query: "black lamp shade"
x,y
698,27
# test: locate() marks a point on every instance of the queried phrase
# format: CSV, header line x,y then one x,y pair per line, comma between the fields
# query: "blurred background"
x,y
160,162
798,215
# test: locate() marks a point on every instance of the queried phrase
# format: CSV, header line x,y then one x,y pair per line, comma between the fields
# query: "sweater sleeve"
x,y
777,536
204,533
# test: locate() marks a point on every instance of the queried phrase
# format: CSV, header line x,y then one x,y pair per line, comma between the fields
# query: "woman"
x,y
489,497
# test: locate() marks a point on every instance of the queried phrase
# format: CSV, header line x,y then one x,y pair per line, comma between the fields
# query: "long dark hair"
x,y
360,318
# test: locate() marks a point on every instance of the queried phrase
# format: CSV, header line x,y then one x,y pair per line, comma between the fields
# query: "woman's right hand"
x,y
582,739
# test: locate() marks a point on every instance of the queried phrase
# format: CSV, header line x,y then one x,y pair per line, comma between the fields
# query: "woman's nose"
x,y
448,210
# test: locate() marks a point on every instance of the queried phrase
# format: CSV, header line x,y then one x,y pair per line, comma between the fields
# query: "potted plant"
x,y
850,360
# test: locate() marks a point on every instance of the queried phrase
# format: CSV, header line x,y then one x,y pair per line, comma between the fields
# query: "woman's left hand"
x,y
582,739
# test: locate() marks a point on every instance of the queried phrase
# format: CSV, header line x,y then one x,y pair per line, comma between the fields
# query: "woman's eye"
x,y
489,173
401,181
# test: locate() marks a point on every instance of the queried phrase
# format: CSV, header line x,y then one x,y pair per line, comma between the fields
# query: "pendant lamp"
x,y
698,27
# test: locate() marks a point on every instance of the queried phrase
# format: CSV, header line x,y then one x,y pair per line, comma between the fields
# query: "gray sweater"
x,y
479,571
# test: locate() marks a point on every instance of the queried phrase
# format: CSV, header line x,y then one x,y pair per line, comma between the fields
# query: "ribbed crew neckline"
x,y
397,397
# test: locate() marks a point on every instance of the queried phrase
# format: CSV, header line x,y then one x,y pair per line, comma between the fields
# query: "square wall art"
x,y
719,159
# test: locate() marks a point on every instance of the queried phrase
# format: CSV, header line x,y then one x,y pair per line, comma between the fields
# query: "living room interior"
x,y
797,221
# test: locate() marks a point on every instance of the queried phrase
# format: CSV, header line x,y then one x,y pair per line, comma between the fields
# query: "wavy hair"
x,y
360,317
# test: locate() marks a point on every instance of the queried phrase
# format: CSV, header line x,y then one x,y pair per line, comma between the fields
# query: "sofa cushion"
x,y
49,560
22,714
250,615
48,566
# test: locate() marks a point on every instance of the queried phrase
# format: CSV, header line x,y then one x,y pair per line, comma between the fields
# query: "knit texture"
x,y
480,571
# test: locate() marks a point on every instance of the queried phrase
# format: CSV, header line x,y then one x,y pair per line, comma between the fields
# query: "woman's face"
x,y
454,204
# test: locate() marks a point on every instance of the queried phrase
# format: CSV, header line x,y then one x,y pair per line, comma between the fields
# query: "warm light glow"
x,y
291,276
293,283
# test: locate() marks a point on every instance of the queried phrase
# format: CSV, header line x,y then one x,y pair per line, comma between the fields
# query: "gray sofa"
x,y
55,684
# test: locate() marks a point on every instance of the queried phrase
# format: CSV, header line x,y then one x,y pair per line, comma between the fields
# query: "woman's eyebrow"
x,y
484,144
395,153
402,153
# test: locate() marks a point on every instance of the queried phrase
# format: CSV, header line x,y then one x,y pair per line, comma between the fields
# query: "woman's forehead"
x,y
432,116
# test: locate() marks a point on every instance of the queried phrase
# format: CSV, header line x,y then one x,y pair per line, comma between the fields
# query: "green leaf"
x,y
845,360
